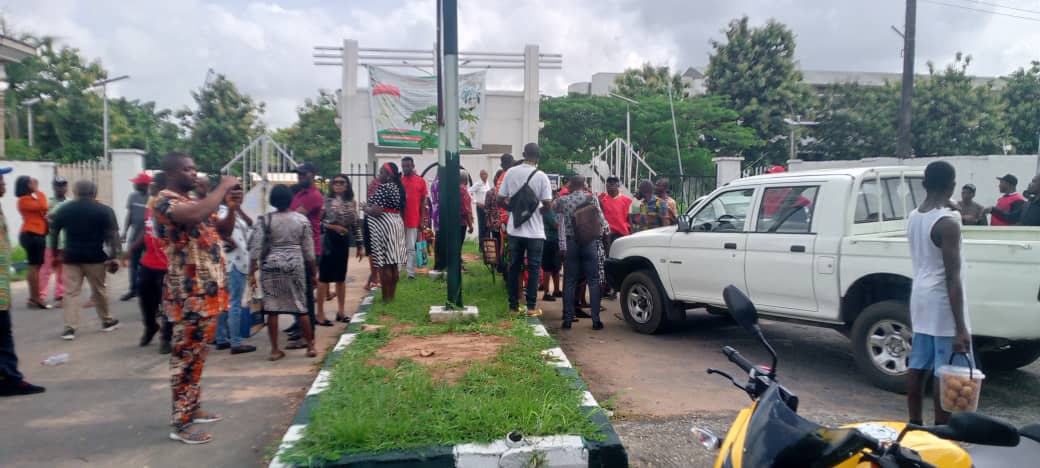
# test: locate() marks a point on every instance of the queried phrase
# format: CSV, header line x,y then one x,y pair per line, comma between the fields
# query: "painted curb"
x,y
565,451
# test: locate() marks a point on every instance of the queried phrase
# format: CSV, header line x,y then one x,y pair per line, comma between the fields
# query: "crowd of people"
x,y
1012,208
198,262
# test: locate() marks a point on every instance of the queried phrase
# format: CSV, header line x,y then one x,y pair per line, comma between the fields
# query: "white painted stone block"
x,y
539,330
344,341
294,433
358,318
479,455
555,451
440,314
321,382
556,357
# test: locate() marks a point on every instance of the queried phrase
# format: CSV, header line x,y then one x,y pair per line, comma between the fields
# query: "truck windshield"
x,y
725,212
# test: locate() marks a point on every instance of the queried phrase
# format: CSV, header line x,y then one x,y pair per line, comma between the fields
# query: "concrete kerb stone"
x,y
556,451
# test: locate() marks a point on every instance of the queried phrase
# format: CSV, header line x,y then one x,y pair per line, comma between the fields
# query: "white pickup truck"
x,y
828,248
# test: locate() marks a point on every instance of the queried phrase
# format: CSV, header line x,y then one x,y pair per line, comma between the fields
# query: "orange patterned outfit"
x,y
194,294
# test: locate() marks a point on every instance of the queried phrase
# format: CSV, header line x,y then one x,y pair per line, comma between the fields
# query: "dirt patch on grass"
x,y
470,257
446,356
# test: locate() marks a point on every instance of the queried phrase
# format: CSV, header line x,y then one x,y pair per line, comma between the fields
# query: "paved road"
x,y
659,386
109,406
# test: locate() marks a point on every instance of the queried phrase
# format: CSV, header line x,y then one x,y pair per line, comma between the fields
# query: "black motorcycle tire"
x,y
896,311
657,322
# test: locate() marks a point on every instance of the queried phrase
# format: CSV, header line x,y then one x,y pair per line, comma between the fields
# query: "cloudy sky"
x,y
266,46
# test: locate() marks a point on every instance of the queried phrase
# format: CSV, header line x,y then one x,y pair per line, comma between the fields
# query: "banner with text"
x,y
404,108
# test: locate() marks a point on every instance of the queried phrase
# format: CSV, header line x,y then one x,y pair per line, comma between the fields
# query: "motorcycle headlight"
x,y
706,438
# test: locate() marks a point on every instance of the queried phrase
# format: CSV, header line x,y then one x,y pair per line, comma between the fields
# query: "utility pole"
x,y
28,103
450,209
903,144
104,97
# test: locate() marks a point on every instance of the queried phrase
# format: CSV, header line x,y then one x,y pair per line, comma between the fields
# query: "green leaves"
x,y
315,137
756,69
1021,100
223,123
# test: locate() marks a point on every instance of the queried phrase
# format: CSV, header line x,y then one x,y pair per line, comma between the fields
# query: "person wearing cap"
x,y
1031,215
133,230
309,202
1008,210
61,187
12,382
971,211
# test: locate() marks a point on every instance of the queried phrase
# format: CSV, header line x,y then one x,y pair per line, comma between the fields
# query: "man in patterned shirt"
x,y
647,211
11,381
195,287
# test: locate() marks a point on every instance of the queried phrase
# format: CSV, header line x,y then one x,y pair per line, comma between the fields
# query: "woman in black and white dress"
x,y
386,228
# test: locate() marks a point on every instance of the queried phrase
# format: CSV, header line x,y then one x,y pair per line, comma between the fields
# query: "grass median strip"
x,y
406,383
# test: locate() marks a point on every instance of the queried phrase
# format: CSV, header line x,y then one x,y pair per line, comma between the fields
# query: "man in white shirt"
x,y
236,251
478,192
525,236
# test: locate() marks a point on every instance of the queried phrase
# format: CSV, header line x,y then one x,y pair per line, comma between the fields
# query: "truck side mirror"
x,y
684,223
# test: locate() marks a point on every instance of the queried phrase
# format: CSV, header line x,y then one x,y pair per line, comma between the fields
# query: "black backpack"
x,y
524,203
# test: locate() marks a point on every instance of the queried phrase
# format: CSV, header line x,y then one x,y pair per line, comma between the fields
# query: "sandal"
x,y
311,352
330,296
296,344
276,356
326,323
191,437
342,319
37,304
205,417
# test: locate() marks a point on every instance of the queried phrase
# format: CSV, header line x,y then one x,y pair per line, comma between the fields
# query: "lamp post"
x,y
104,97
28,103
797,123
628,136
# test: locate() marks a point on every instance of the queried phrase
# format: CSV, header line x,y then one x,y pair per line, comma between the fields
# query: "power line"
x,y
1023,10
979,10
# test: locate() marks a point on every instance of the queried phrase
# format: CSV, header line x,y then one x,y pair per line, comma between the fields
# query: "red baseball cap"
x,y
142,178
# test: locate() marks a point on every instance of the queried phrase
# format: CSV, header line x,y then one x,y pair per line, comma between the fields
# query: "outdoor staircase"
x,y
618,159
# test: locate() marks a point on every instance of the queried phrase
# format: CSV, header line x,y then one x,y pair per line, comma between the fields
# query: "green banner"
x,y
404,109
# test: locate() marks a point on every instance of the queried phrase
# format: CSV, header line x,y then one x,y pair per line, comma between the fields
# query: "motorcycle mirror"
x,y
974,428
745,314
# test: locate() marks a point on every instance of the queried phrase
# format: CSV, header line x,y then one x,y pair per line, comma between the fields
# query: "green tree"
x,y
426,119
637,83
756,70
855,122
68,118
223,122
1021,98
315,137
952,116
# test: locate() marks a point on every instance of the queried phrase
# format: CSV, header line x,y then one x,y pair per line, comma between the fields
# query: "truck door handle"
x,y
731,245
677,262
797,248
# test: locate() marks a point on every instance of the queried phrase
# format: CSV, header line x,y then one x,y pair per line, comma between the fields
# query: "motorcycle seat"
x,y
1031,431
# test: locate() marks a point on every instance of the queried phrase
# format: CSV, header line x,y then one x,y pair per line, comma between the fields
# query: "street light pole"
x,y
797,123
28,103
104,97
628,136
450,209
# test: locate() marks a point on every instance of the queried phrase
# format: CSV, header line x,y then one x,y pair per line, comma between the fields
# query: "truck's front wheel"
x,y
643,303
881,338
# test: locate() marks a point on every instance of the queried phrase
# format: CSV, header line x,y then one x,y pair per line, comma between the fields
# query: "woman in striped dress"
x,y
387,228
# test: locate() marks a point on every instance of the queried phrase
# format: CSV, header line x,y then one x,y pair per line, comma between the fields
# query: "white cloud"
x,y
266,46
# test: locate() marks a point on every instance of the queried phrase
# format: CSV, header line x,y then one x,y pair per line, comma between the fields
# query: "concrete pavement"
x,y
110,404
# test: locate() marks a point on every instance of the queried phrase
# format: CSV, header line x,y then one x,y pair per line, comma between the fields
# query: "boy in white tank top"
x,y
938,314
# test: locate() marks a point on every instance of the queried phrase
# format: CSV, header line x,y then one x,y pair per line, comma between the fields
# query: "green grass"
x,y
373,409
18,254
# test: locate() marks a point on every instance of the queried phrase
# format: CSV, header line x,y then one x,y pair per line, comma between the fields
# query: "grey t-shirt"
x,y
135,205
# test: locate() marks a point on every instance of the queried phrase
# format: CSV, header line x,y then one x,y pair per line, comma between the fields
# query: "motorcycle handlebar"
x,y
737,359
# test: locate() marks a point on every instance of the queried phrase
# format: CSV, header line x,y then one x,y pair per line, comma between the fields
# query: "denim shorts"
x,y
933,352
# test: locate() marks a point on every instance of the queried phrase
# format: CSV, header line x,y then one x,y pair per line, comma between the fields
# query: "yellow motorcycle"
x,y
770,433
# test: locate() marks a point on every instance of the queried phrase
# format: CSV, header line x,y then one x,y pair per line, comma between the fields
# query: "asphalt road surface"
x,y
658,387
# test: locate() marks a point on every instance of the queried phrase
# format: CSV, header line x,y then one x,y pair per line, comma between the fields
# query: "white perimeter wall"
x,y
979,170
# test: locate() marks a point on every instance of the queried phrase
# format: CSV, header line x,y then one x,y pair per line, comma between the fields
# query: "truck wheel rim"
x,y
888,344
640,304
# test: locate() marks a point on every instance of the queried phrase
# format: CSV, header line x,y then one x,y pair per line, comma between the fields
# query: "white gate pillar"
x,y
531,98
126,164
727,169
352,144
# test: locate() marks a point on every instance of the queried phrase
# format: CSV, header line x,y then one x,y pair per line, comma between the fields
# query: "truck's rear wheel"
x,y
881,339
643,303
1019,355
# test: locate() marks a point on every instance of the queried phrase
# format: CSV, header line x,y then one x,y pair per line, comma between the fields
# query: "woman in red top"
x,y
152,273
32,204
